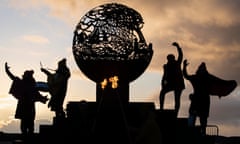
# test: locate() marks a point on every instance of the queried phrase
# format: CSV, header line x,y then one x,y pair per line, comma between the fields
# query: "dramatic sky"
x,y
34,31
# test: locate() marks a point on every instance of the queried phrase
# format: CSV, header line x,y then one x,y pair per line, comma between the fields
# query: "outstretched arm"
x,y
45,71
12,77
180,53
185,74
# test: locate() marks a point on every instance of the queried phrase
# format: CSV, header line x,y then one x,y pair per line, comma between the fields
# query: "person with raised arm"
x,y
172,79
57,84
25,91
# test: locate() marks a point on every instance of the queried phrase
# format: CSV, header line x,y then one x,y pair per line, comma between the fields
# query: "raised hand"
x,y
6,66
185,63
175,44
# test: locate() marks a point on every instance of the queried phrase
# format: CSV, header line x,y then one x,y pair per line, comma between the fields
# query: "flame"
x,y
113,80
104,83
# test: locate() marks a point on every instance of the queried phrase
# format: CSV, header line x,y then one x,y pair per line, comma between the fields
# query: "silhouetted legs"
x,y
27,129
162,97
192,120
203,123
27,126
177,98
177,94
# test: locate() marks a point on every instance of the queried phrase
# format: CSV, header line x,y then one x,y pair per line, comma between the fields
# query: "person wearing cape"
x,y
204,84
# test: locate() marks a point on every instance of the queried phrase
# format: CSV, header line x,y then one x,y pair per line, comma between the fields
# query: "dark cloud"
x,y
209,32
226,107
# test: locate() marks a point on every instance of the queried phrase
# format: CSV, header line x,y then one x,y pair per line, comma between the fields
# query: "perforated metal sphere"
x,y
108,36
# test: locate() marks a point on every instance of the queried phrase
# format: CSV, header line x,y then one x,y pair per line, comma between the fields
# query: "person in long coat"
x,y
25,91
204,85
200,99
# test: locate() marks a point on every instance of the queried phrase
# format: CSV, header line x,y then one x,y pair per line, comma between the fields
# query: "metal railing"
x,y
212,130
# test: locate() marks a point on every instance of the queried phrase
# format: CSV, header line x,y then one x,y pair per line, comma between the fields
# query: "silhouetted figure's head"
x,y
62,65
28,74
62,62
170,58
202,68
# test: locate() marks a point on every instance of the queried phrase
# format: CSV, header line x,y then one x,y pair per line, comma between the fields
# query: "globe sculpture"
x,y
108,43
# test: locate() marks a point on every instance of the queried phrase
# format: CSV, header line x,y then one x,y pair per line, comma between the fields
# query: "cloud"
x,y
24,5
203,36
77,74
10,126
13,125
224,113
35,39
226,107
216,12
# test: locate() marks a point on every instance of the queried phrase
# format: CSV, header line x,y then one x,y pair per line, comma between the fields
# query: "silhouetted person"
x,y
172,79
200,99
205,84
57,83
24,90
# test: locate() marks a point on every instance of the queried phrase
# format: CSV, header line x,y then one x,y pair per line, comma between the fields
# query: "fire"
x,y
104,83
113,80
